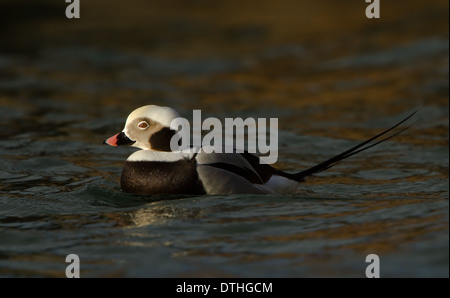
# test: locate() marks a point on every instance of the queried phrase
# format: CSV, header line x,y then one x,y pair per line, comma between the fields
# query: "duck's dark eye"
x,y
143,125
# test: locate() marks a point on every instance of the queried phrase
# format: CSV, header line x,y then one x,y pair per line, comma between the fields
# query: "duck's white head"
x,y
148,128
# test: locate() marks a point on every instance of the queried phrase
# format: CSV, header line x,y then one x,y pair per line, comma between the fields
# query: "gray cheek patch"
x,y
138,135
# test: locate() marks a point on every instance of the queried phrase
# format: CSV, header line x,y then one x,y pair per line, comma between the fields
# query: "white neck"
x,y
150,155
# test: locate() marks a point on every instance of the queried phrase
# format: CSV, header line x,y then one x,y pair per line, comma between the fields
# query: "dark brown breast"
x,y
153,177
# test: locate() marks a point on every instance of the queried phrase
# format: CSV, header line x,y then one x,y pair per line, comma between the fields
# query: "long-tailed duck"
x,y
155,169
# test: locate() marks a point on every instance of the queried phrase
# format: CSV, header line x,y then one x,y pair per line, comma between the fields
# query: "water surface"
x,y
332,77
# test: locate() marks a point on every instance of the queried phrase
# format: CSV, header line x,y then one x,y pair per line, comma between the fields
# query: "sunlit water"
x,y
59,186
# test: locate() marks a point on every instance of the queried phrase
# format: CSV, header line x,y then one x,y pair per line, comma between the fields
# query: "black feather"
x,y
352,151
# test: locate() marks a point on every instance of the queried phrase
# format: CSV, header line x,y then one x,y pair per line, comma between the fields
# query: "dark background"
x,y
331,76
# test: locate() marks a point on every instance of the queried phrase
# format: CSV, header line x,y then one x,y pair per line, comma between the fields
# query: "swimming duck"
x,y
155,169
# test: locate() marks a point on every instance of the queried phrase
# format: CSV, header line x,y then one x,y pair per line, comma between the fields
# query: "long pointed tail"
x,y
387,134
